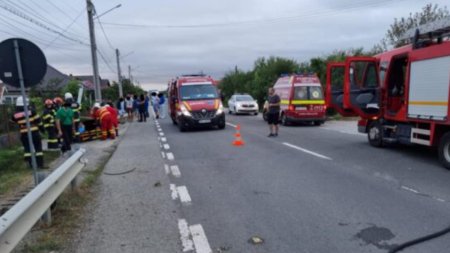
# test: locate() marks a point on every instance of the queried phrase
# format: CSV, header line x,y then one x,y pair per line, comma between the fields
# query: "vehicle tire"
x,y
444,150
181,126
256,114
235,112
284,120
221,125
375,134
318,123
173,121
229,111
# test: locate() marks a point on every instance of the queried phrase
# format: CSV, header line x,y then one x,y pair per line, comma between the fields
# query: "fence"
x,y
8,130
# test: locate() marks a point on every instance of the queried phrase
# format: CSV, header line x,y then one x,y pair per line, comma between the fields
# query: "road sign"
x,y
34,64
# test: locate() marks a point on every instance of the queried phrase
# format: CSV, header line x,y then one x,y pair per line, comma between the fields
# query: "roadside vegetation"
x,y
266,70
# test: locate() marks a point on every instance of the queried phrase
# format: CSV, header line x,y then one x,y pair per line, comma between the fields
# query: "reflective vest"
x,y
76,108
48,118
35,121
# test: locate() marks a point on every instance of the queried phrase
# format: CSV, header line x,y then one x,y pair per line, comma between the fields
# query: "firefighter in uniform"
x,y
114,118
49,124
102,114
35,126
76,108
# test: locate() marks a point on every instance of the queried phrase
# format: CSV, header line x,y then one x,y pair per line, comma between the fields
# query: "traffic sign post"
x,y
22,64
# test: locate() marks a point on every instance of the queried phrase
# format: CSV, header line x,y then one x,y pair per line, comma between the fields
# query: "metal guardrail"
x,y
19,220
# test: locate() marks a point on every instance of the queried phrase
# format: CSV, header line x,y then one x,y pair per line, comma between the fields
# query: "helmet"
x,y
58,100
48,102
68,95
97,105
20,102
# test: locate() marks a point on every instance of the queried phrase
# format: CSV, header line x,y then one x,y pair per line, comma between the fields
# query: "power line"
x,y
104,34
67,28
307,14
64,12
105,61
28,18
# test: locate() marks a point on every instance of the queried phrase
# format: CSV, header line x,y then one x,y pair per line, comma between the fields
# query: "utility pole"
x,y
118,72
97,90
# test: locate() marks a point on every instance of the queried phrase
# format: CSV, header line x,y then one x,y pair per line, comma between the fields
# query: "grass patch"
x,y
14,171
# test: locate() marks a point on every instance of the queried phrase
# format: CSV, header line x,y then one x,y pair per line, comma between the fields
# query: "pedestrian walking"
x,y
129,108
162,107
142,109
66,125
48,118
36,125
274,112
155,103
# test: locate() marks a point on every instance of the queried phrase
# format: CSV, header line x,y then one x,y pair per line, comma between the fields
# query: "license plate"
x,y
204,121
301,108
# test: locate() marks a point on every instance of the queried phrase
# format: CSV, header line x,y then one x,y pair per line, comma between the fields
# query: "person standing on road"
x,y
66,125
155,103
274,112
142,109
49,124
129,108
162,100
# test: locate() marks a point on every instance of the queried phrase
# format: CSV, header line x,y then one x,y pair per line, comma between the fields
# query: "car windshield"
x,y
198,92
308,93
245,98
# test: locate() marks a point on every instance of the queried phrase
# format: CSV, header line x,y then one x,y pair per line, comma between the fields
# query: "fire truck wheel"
x,y
444,150
181,126
174,121
375,135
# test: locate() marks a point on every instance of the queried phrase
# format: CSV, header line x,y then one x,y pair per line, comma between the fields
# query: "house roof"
x,y
87,81
53,79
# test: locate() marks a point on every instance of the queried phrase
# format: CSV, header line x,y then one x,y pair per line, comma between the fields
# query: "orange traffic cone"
x,y
238,140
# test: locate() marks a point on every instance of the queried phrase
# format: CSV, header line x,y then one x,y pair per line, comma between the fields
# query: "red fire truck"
x,y
301,99
401,96
194,101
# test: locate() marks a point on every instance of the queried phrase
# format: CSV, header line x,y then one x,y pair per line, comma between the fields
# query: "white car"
x,y
242,104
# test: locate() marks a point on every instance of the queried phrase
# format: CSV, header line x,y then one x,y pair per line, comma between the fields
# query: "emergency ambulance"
x,y
301,99
194,101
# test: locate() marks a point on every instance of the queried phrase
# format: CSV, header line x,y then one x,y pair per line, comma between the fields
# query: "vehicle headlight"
x,y
220,109
185,111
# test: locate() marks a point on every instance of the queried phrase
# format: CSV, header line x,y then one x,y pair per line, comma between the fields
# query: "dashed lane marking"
x,y
183,193
174,192
170,156
409,189
175,171
307,151
166,146
163,139
200,241
186,242
166,169
232,125
161,133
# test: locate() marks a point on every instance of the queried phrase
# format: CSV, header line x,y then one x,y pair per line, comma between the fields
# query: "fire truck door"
x,y
335,89
362,90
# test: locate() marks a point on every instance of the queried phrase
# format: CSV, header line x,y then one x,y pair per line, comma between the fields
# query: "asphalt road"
x,y
312,189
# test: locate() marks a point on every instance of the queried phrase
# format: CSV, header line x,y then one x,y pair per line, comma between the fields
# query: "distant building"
x,y
53,81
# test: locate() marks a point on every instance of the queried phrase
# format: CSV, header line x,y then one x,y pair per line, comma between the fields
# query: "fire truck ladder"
x,y
438,30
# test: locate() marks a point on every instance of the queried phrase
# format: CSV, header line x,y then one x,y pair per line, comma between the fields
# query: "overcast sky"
x,y
161,39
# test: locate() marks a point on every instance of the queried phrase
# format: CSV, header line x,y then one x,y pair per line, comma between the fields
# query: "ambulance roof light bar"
x,y
439,28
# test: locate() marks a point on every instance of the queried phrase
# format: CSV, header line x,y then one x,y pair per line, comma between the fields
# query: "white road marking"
x,y
439,199
166,169
159,130
173,189
175,171
200,241
170,156
232,125
307,151
409,189
187,243
185,198
161,133
166,146
163,155
163,139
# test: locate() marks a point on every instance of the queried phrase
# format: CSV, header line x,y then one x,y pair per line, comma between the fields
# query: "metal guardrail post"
x,y
19,220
